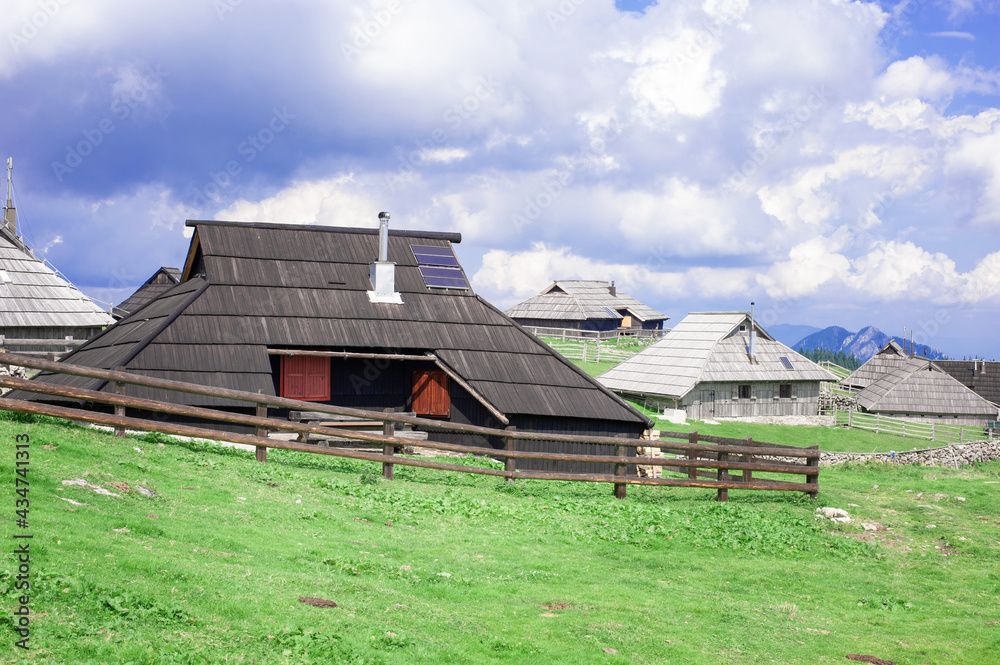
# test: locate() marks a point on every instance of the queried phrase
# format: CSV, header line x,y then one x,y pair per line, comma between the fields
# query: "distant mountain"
x,y
863,344
789,333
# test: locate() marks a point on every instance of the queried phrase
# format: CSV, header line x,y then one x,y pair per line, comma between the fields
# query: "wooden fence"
x,y
705,461
590,352
569,334
939,432
56,347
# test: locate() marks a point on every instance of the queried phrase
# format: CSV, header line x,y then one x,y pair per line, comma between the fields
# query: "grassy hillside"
x,y
434,567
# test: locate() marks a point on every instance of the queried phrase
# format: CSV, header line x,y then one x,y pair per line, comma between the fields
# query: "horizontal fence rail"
x,y
707,460
931,431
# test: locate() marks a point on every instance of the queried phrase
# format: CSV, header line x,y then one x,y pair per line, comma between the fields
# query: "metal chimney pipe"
x,y
383,236
911,342
611,289
753,335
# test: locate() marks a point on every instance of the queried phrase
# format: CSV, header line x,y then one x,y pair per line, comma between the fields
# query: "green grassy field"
x,y
448,568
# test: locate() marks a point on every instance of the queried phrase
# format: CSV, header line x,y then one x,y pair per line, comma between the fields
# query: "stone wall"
x,y
954,454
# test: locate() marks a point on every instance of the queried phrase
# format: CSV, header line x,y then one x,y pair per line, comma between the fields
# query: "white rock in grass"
x,y
869,527
836,514
959,498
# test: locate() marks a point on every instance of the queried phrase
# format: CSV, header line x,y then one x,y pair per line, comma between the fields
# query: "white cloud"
x,y
337,201
810,265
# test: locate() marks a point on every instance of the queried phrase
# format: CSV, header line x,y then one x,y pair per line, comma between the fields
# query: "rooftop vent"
x,y
611,289
383,271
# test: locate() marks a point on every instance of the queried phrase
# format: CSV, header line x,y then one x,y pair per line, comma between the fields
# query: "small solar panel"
x,y
444,277
430,255
611,312
786,362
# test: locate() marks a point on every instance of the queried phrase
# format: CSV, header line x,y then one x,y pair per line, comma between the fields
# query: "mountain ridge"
x,y
862,344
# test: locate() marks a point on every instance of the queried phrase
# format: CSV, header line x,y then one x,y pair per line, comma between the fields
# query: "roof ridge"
x,y
402,233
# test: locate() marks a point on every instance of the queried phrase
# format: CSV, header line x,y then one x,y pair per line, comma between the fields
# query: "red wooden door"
x,y
306,378
430,394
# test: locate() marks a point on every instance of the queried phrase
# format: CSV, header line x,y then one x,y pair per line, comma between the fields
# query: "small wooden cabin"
x,y
917,389
721,365
349,317
585,305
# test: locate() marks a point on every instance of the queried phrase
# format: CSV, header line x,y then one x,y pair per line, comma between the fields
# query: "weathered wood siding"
x,y
721,400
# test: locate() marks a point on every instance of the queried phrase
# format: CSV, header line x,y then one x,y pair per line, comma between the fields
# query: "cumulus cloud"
x,y
338,201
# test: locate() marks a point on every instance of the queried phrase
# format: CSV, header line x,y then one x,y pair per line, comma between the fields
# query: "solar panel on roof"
x,y
445,278
786,362
430,255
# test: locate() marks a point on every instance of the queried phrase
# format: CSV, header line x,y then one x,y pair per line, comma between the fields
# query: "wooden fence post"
x,y
693,454
388,429
747,473
261,451
813,478
120,410
722,494
510,445
620,470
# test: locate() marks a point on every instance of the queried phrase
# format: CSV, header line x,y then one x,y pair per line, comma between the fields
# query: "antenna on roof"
x,y
9,212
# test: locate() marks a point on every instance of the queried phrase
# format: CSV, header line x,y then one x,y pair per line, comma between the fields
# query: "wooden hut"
x,y
38,306
161,281
721,365
349,317
917,389
586,305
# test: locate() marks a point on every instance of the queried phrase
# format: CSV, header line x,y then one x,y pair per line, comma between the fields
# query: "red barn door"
x,y
306,378
430,394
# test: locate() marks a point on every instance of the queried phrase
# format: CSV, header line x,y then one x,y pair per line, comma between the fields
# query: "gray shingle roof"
x,y
918,386
582,300
887,359
709,346
33,295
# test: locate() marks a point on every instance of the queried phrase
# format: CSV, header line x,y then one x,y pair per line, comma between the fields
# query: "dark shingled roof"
x,y
248,287
162,281
980,376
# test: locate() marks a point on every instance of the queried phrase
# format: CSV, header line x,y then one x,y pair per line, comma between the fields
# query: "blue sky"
x,y
836,162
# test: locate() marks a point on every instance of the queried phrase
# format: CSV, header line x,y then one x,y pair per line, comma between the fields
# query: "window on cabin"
x,y
430,394
745,392
306,378
785,391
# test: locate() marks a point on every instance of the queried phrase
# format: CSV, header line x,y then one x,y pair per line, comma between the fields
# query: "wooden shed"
x,y
333,315
585,305
38,305
917,389
721,365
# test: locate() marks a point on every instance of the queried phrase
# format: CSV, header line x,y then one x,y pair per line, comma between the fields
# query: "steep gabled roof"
x,y
33,295
161,281
709,346
251,287
885,361
582,300
918,386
